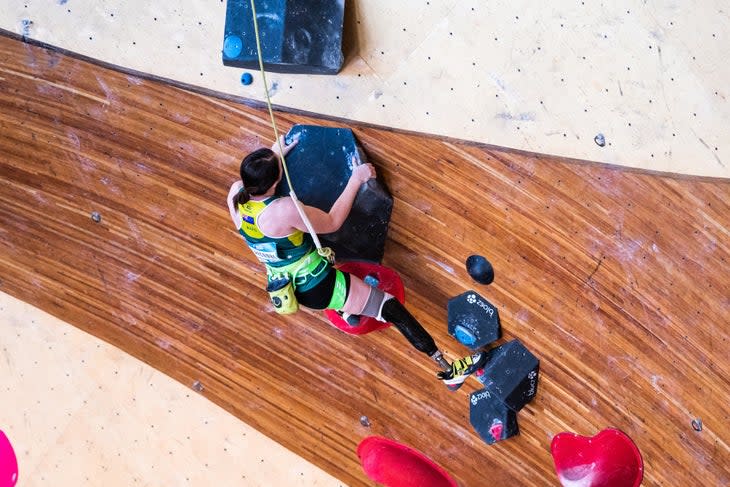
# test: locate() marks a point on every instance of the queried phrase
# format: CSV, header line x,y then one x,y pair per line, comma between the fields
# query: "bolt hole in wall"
x,y
91,403
663,59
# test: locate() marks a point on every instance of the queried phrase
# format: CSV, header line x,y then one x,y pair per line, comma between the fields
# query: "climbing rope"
x,y
325,252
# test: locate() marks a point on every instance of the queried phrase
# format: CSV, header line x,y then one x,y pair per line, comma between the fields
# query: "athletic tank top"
x,y
274,252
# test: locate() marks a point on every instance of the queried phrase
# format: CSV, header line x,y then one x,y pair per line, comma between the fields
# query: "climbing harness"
x,y
325,252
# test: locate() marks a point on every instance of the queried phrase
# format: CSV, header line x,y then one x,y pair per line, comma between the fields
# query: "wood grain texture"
x,y
617,280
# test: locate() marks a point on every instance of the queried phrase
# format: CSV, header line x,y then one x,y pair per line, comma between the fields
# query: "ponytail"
x,y
241,197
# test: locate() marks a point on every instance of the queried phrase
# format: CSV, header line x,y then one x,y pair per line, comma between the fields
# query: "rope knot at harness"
x,y
327,253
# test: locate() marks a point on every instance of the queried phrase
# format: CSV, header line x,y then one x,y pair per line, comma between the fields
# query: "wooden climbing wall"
x,y
615,279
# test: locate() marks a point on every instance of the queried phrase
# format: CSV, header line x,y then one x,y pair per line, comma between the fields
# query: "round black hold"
x,y
96,216
480,269
697,424
600,140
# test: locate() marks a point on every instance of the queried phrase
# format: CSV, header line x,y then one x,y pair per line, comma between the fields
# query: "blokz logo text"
x,y
472,299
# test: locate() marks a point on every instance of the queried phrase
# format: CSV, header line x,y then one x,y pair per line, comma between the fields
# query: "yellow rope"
x,y
325,252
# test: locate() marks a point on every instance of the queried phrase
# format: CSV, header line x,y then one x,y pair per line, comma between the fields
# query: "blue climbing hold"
x,y
246,79
232,46
464,336
371,280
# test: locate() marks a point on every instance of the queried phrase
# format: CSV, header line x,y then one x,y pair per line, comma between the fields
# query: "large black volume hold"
x,y
297,36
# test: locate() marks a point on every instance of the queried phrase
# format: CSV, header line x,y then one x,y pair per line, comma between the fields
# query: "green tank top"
x,y
274,252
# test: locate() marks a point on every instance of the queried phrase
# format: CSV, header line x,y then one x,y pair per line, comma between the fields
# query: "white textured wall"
x,y
79,411
652,77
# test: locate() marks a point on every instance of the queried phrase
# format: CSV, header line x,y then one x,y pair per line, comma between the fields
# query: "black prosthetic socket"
x,y
394,312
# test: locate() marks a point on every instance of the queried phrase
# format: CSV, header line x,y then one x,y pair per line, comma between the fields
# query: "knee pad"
x,y
374,304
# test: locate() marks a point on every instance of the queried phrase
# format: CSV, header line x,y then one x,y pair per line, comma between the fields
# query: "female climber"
x,y
276,234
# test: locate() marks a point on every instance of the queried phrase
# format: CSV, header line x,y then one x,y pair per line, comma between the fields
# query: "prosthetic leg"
x,y
453,375
384,307
394,312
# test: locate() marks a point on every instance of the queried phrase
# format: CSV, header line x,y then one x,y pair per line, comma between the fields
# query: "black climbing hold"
x,y
491,419
320,166
297,36
511,374
480,269
473,320
600,140
96,216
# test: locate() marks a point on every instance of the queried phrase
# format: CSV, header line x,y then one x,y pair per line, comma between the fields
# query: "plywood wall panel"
x,y
615,279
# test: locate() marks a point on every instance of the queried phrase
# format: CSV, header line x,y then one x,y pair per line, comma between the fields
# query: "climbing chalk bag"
x,y
281,291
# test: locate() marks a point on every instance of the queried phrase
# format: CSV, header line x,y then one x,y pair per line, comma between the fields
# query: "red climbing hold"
x,y
609,459
496,429
395,465
388,281
8,463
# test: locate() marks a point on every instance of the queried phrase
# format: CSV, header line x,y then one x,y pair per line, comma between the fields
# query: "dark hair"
x,y
259,171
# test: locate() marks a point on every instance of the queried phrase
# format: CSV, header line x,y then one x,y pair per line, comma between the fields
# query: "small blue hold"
x,y
232,46
464,336
371,280
246,79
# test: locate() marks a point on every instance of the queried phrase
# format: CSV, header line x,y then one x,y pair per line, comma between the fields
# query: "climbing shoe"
x,y
461,369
